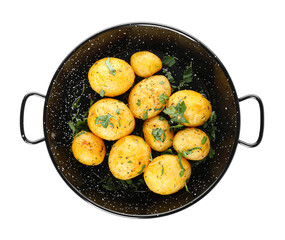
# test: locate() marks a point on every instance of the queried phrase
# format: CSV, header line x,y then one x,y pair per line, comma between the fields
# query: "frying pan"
x,y
210,77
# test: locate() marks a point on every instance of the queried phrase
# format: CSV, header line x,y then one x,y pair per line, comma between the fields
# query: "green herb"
x,y
139,102
162,82
168,151
157,133
145,115
187,77
143,166
130,162
80,133
112,125
186,187
78,126
189,151
130,122
118,111
158,109
176,113
91,102
150,157
169,77
211,120
102,93
110,67
180,164
168,61
75,104
204,140
176,126
119,123
163,98
162,170
211,153
104,120
161,118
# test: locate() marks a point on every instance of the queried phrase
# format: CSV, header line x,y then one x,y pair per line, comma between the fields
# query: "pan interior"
x,y
209,77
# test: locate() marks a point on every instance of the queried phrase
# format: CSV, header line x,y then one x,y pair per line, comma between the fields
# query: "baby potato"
x,y
145,63
164,174
149,96
194,142
110,119
111,76
88,148
198,108
128,157
157,133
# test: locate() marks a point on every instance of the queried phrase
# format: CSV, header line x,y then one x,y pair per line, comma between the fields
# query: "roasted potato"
x,y
111,77
110,119
193,143
145,63
198,108
157,133
165,176
129,157
88,148
149,96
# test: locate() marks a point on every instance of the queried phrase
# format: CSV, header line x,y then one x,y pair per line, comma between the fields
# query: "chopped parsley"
x,y
110,67
186,187
78,126
169,77
157,133
162,170
76,104
211,153
189,151
139,102
176,113
158,109
162,82
180,164
161,118
143,166
102,93
145,115
130,161
118,111
168,61
150,157
187,77
104,120
130,122
204,140
163,98
168,151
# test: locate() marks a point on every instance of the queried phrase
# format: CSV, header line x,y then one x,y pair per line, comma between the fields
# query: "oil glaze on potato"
x,y
129,157
101,78
158,134
145,63
110,119
198,108
88,148
149,96
162,175
191,138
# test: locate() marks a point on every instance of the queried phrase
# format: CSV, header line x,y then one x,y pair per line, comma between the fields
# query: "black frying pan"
x,y
122,41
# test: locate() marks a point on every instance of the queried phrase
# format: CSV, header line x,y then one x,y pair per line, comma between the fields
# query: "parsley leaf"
x,y
104,120
139,102
189,151
168,61
162,82
161,118
110,67
145,115
102,93
187,77
211,153
169,76
75,104
204,140
186,187
118,111
143,166
157,133
180,164
162,170
176,113
163,98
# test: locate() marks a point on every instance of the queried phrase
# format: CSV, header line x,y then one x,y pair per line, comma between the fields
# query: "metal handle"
x,y
22,118
261,120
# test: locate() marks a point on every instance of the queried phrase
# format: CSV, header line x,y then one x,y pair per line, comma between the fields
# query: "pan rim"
x,y
210,52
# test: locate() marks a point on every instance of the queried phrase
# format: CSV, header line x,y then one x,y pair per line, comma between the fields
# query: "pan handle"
x,y
22,118
261,120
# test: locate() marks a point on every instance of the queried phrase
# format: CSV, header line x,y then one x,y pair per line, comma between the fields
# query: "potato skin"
x,y
144,96
88,148
145,63
120,125
100,77
198,108
162,174
129,157
191,138
153,123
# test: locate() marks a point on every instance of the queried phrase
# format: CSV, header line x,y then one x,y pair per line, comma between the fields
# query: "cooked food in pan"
x,y
166,122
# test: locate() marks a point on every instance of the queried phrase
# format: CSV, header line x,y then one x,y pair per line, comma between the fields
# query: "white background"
x,y
248,36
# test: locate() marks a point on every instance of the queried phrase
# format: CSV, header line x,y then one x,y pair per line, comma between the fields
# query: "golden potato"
x,y
165,176
198,108
110,119
88,148
194,142
111,76
129,157
157,133
149,96
145,63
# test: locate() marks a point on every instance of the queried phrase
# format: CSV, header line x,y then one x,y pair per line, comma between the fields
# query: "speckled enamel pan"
x,y
122,41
